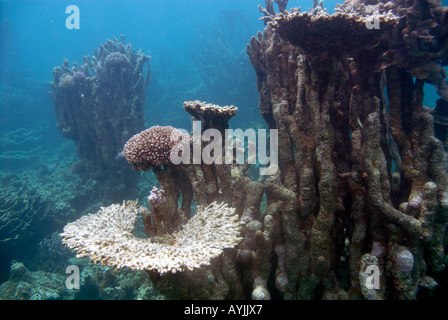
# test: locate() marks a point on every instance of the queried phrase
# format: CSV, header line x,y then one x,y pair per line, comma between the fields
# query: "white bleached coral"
x,y
106,237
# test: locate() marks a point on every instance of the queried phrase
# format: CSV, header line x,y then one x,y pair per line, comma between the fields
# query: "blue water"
x,y
34,39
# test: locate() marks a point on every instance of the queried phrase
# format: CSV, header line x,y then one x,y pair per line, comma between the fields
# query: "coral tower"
x,y
363,172
99,105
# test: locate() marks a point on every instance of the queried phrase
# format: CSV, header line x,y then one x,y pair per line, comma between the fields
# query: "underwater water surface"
x,y
49,178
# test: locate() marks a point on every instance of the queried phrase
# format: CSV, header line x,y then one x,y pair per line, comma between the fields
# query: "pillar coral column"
x,y
100,104
360,168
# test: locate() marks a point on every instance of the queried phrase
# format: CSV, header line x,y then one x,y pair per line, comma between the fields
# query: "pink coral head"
x,y
79,76
156,197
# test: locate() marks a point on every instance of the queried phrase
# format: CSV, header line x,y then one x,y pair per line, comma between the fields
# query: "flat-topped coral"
x,y
106,237
211,115
329,33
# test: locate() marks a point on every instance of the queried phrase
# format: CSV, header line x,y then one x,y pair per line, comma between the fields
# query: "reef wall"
x,y
99,105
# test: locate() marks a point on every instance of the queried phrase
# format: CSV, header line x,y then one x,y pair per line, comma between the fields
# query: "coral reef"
x,y
30,211
22,213
99,105
359,171
96,282
105,283
220,275
362,179
27,285
21,148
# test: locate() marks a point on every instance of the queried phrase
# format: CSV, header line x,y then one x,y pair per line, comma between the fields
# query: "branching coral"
x,y
106,237
116,60
22,211
269,11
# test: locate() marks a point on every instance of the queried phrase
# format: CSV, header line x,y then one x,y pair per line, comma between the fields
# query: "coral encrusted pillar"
x,y
100,105
362,177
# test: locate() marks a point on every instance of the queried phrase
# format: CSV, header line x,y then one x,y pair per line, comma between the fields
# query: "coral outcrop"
x,y
100,105
359,171
188,247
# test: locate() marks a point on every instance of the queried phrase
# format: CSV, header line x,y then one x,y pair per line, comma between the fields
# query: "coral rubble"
x,y
100,105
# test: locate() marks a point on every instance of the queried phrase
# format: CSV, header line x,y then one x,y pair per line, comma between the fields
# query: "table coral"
x,y
106,237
